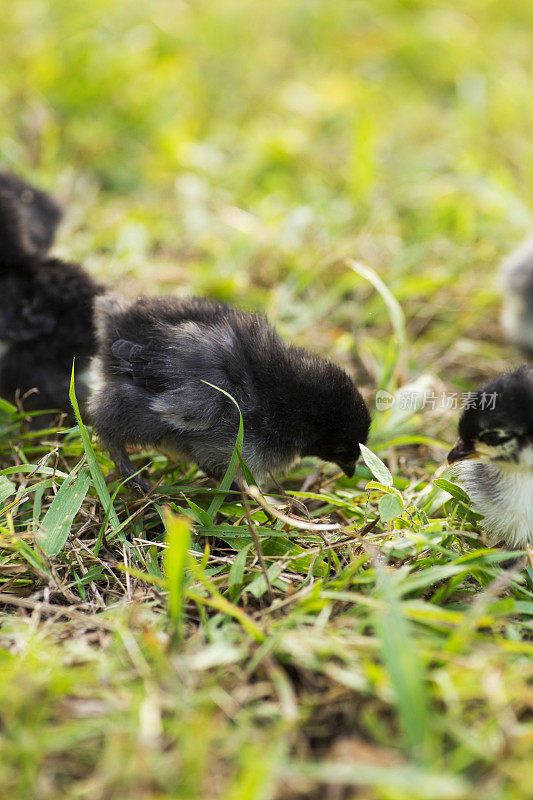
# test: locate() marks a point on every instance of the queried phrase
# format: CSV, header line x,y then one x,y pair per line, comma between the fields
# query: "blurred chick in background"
x,y
29,217
516,278
45,304
160,360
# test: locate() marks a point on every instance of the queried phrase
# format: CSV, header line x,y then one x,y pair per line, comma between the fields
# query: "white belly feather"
x,y
504,495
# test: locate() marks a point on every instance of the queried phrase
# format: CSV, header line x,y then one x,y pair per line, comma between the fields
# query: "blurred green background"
x,y
246,150
242,149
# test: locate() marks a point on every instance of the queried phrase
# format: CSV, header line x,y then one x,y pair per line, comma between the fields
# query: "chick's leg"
x,y
127,470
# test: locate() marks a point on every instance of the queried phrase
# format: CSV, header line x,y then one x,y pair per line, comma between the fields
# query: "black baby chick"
x,y
156,358
45,304
28,217
493,457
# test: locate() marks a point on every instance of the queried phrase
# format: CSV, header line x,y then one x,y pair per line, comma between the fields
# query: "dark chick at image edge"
x,y
46,314
493,457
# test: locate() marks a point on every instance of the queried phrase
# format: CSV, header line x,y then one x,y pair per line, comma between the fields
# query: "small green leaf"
x,y
453,489
390,506
376,466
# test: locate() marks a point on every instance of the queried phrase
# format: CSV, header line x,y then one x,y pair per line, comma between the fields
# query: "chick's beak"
x,y
461,451
348,467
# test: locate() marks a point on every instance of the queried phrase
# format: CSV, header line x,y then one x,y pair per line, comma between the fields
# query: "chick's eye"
x,y
342,454
493,438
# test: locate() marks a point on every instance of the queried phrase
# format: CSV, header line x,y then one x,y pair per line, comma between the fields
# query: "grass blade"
x,y
57,521
96,472
231,471
403,664
218,601
396,316
175,564
7,489
397,780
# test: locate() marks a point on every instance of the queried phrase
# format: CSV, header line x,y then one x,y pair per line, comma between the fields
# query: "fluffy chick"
x,y
28,218
45,322
493,457
45,304
156,357
516,278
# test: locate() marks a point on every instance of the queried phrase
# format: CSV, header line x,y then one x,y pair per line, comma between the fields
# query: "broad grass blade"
x,y
396,780
57,521
175,565
404,667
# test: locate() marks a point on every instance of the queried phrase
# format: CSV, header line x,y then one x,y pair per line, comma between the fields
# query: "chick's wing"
x,y
175,365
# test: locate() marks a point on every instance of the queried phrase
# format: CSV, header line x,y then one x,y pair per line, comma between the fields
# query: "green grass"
x,y
356,170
